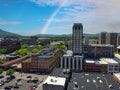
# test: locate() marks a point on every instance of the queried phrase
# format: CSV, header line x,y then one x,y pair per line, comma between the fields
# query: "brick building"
x,y
43,62
10,44
98,50
105,65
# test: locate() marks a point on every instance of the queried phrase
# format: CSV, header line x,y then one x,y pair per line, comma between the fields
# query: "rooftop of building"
x,y
117,58
92,81
109,60
68,53
77,24
102,61
59,72
118,47
47,53
52,80
102,45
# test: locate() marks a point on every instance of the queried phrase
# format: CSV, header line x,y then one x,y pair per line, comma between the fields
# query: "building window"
x,y
71,63
75,64
67,62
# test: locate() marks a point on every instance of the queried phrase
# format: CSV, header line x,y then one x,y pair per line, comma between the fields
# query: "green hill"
x,y
8,34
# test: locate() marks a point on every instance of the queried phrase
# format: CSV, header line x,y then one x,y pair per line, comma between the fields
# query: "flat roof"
x,y
55,80
118,47
102,61
68,53
102,45
90,81
59,72
117,55
90,61
109,60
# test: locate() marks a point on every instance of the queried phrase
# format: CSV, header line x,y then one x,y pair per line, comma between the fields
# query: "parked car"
x,y
16,86
110,86
19,84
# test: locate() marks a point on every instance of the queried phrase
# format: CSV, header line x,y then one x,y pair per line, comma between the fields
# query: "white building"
x,y
113,66
77,39
54,83
68,61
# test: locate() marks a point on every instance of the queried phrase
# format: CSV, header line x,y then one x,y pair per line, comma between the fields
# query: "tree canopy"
x,y
60,46
2,60
1,70
10,72
3,50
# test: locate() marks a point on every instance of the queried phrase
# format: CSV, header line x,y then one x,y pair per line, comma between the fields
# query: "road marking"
x,y
86,74
88,80
82,86
100,81
94,81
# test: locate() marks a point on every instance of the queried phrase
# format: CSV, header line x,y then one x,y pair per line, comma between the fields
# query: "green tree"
x,y
62,47
22,52
24,46
3,50
1,70
35,50
10,72
2,60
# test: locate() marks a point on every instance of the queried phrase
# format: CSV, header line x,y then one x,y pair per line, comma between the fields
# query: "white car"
x,y
19,84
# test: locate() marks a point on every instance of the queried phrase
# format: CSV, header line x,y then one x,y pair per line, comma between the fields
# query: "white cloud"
x,y
96,15
47,2
4,23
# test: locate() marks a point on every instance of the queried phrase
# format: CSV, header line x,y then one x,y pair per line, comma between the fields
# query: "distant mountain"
x,y
90,35
64,35
51,35
45,35
7,34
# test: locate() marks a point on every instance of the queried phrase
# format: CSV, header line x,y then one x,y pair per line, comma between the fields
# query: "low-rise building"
x,y
54,83
43,62
105,65
95,66
65,73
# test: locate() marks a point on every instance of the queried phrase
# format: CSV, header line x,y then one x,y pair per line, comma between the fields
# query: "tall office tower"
x,y
118,40
102,38
77,39
111,38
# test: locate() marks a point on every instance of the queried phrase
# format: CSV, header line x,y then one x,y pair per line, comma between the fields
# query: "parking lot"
x,y
92,81
24,81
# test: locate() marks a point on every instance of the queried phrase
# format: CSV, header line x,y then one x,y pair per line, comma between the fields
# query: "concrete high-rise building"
x,y
111,38
102,38
77,39
74,59
118,40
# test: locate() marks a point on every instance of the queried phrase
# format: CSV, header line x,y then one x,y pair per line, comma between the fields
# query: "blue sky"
x,y
29,17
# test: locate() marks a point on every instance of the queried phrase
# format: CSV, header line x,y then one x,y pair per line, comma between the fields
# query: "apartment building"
x,y
98,50
43,62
